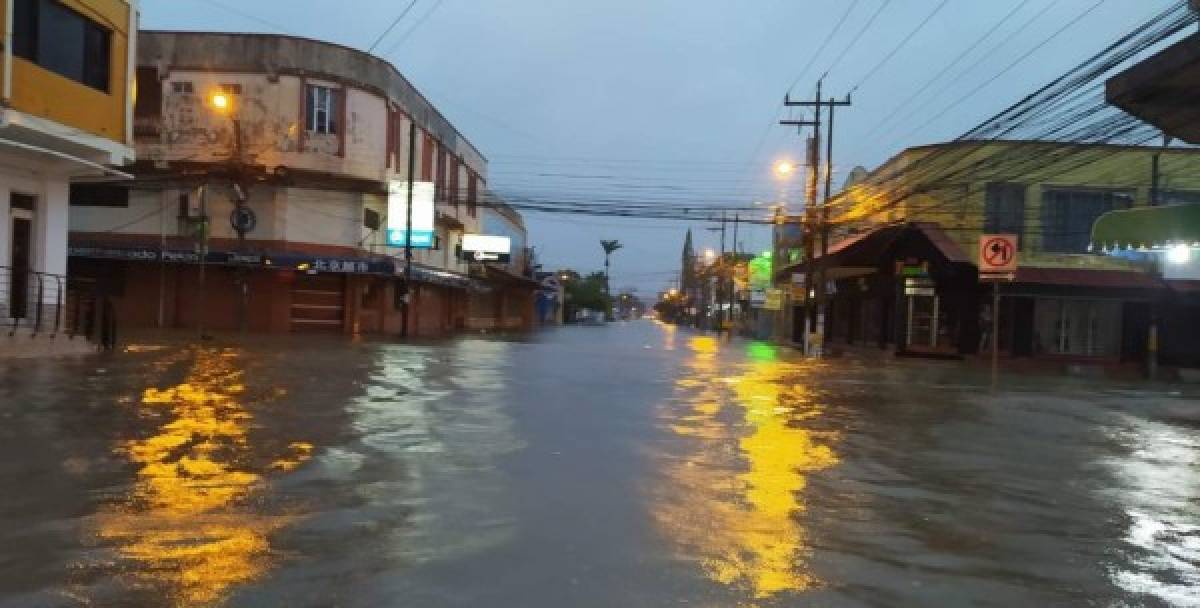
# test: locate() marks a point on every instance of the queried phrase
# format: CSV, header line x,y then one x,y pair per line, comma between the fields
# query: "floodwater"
x,y
629,465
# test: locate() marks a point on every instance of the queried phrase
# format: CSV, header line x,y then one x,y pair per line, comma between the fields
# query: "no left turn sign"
x,y
997,253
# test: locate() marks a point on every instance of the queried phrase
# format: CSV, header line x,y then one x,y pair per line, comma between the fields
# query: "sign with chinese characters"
x,y
422,214
997,254
328,265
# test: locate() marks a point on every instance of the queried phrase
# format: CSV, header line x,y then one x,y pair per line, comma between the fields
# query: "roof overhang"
x,y
1163,90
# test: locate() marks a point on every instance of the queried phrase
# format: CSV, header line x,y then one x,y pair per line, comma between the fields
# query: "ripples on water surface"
x,y
633,465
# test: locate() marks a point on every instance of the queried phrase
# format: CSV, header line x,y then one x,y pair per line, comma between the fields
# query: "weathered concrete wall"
x,y
261,62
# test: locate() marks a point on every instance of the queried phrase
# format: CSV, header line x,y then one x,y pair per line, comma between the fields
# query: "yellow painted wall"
x,y
43,93
957,176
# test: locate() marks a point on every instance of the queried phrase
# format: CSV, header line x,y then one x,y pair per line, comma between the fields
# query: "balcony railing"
x,y
41,303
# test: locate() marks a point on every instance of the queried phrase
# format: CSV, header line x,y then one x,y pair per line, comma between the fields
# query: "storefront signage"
x,y
422,214
282,261
486,248
483,243
919,286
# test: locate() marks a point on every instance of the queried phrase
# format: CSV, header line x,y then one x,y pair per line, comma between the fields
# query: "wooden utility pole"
x,y
816,223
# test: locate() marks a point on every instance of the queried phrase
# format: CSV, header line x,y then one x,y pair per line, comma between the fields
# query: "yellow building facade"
x,y
66,109
902,262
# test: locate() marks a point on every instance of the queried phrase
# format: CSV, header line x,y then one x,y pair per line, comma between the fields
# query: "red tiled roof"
x,y
1078,277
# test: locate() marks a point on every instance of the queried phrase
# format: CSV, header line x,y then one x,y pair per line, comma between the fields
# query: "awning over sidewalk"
x,y
1147,228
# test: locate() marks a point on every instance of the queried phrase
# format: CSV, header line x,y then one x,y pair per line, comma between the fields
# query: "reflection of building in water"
x,y
743,526
186,524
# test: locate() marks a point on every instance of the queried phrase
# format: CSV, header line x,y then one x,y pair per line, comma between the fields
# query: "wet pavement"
x,y
629,465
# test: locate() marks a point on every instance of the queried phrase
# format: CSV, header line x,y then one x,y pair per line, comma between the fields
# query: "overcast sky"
x,y
678,99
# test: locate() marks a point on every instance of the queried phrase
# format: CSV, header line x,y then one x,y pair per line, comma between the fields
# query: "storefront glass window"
x,y
1088,328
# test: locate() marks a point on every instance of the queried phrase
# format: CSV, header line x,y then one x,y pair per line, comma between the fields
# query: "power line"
x,y
857,37
395,22
236,11
886,120
903,42
414,27
1014,64
821,49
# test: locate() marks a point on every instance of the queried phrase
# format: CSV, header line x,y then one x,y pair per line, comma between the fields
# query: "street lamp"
x,y
221,102
784,168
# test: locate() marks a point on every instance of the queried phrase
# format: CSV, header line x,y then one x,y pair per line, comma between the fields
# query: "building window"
x,y
98,195
321,109
440,184
183,87
472,194
62,41
1068,215
371,219
147,107
1088,328
427,145
453,185
1004,211
230,88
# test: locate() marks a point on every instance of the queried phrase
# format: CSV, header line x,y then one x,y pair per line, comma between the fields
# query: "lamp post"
x,y
242,218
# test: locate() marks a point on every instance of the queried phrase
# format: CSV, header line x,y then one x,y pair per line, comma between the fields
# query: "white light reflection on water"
x,y
1158,493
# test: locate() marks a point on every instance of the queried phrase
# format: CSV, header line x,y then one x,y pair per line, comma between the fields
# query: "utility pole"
x,y
722,268
409,292
816,224
732,286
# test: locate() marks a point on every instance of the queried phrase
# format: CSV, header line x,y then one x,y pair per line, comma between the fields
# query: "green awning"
x,y
1147,228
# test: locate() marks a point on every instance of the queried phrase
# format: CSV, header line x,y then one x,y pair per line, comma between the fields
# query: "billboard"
x,y
422,214
483,243
486,248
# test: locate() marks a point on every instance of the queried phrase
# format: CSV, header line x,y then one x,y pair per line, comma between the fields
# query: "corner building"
x,y
306,136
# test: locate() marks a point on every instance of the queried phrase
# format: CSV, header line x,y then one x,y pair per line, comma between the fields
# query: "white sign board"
x,y
997,254
482,243
422,214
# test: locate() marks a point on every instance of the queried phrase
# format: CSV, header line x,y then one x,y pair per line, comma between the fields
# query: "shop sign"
x,y
422,214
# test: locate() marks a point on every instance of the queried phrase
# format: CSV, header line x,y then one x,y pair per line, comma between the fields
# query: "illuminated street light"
x,y
784,168
221,102
709,254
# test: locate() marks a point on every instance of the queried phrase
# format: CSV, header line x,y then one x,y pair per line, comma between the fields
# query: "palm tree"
x,y
609,248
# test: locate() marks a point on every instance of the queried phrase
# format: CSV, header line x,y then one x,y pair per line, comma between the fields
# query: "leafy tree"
x,y
586,292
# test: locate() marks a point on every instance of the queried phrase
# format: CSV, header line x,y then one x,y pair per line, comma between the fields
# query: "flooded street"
x,y
629,465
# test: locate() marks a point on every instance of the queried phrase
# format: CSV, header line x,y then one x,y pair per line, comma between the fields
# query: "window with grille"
x,y
1068,215
321,109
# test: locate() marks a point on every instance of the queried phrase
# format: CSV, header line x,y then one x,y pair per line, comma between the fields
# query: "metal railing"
x,y
50,304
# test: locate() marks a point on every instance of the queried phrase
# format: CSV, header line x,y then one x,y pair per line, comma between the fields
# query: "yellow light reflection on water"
x,y
735,494
187,526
